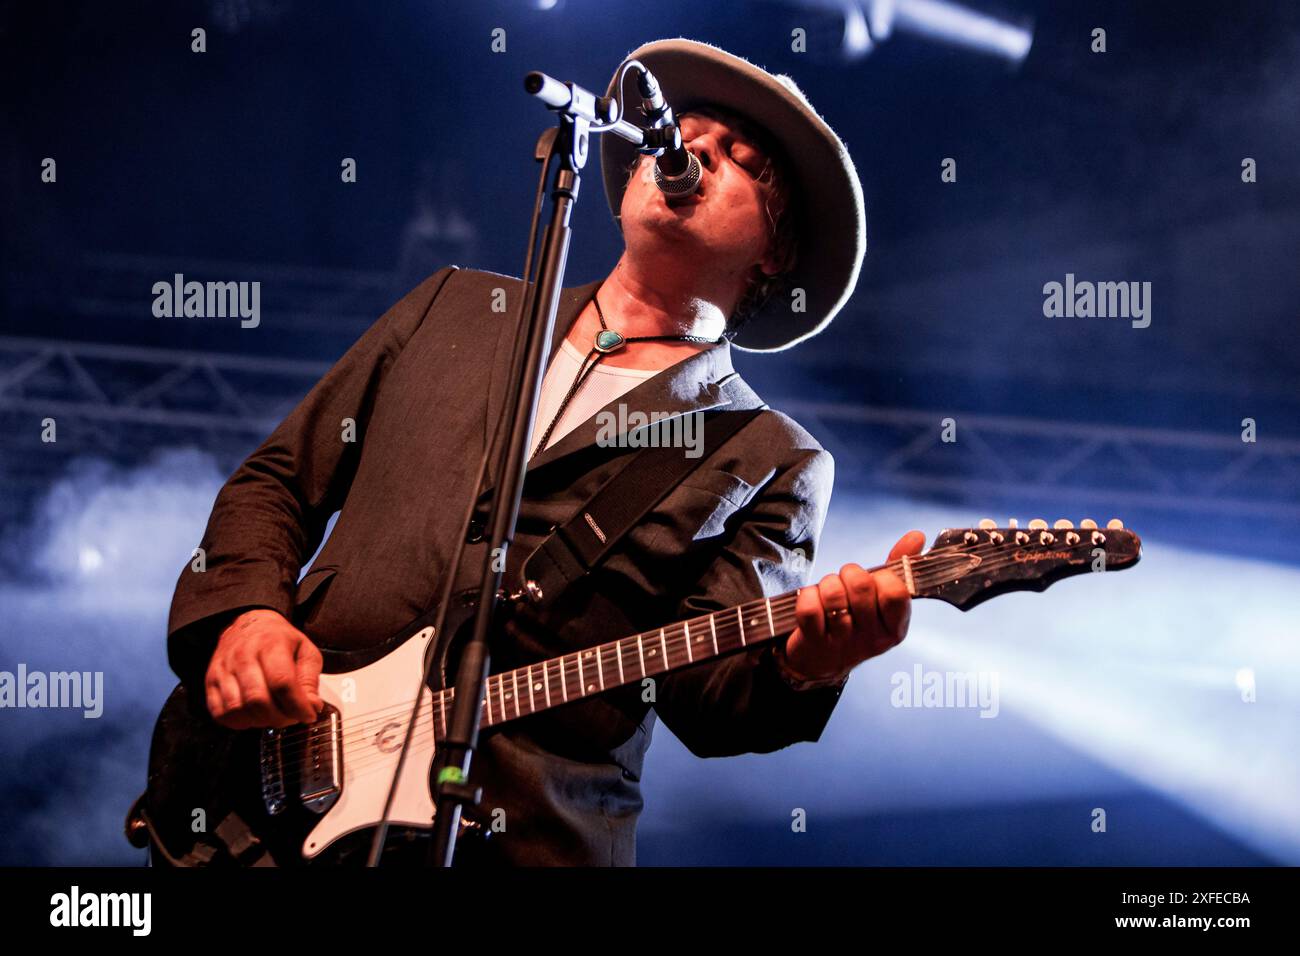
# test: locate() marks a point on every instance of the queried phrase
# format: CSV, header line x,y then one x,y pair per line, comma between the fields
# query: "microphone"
x,y
677,169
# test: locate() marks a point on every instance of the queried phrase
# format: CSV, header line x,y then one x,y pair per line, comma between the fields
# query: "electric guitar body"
x,y
302,794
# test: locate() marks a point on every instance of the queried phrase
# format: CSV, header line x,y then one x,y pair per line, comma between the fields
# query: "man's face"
x,y
725,224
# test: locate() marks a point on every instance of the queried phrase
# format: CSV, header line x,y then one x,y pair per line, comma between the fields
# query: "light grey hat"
x,y
833,232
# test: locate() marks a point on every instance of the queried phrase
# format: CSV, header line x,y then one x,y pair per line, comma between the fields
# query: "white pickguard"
x,y
371,756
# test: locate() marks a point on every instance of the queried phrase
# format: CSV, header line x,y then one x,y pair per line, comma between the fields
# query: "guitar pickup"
x,y
320,770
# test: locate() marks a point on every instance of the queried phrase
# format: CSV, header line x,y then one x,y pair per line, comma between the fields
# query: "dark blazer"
x,y
424,385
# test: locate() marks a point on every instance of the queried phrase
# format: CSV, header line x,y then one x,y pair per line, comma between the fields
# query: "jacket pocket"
x,y
724,484
698,509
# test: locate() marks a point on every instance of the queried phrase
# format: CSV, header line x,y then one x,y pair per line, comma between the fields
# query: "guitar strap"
x,y
574,548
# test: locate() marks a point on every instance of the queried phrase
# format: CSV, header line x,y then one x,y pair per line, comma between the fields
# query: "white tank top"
x,y
603,384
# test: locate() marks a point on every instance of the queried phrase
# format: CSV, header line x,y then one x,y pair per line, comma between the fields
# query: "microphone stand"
x,y
580,113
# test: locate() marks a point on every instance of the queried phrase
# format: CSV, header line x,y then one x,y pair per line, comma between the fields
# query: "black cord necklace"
x,y
607,341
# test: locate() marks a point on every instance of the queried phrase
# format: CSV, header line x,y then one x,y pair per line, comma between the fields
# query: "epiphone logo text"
x,y
1041,555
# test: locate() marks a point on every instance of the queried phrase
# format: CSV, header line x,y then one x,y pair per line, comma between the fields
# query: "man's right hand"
x,y
264,673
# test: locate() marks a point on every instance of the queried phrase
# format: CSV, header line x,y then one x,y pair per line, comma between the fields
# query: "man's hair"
x,y
781,204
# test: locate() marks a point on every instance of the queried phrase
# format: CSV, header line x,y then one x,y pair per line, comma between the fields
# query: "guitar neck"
x,y
523,691
965,567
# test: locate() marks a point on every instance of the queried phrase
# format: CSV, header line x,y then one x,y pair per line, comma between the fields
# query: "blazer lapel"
x,y
690,385
572,302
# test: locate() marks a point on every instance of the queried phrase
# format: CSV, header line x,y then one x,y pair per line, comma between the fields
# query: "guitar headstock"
x,y
967,566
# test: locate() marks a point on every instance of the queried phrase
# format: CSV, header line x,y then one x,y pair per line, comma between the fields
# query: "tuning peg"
x,y
1013,523
1038,524
1114,524
1064,524
1087,523
987,523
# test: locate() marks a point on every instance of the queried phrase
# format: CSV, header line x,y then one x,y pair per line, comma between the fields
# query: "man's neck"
x,y
635,306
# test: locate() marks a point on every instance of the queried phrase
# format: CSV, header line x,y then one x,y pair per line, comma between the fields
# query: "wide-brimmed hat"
x,y
833,233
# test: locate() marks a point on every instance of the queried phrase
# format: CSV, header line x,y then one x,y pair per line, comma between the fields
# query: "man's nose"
x,y
706,148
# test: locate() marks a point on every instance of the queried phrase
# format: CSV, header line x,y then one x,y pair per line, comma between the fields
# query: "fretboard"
x,y
593,670
523,691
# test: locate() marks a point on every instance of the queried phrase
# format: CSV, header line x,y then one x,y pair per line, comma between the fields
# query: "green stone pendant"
x,y
608,341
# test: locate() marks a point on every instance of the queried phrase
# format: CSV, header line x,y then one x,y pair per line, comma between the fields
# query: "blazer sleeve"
x,y
270,516
740,703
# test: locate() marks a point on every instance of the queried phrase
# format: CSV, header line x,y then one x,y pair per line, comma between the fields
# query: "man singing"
x,y
764,254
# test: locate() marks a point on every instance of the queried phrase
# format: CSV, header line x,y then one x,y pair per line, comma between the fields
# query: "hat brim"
x,y
833,236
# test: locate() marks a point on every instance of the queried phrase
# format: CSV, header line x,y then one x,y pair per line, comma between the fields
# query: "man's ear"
x,y
776,260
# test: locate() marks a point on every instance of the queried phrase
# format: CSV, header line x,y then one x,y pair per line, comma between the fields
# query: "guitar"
x,y
283,797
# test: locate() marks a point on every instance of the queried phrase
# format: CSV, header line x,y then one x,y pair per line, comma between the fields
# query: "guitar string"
x,y
931,573
363,725
922,569
374,760
293,740
371,758
788,622
349,740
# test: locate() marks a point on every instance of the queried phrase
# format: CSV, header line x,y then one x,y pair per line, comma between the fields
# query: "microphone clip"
x,y
660,138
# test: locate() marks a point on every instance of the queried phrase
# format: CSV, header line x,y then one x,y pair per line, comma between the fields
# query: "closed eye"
x,y
748,159
742,153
